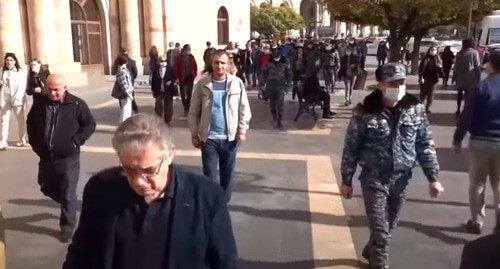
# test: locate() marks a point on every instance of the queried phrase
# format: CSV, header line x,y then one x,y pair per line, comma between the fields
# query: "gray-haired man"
x,y
128,218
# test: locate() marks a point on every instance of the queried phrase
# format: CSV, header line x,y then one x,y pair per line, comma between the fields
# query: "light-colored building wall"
x,y
197,23
30,31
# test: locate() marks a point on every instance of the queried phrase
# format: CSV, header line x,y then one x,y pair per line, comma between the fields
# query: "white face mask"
x,y
433,52
36,68
395,94
277,59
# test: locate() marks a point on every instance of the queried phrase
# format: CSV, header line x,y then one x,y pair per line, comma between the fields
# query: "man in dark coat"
x,y
482,253
57,126
163,88
151,213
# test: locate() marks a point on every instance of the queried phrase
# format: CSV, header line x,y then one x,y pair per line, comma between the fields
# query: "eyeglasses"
x,y
147,173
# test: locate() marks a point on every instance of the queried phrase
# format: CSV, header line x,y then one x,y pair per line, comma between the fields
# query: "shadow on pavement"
x,y
437,232
25,224
310,264
446,96
442,119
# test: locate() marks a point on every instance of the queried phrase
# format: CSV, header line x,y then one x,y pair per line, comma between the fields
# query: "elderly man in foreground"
x,y
151,213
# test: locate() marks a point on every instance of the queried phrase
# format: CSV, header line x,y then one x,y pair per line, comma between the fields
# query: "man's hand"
x,y
420,81
38,90
457,149
241,138
346,191
169,83
196,142
435,189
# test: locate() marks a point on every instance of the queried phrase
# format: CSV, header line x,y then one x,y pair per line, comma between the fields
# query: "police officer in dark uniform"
x,y
277,78
387,134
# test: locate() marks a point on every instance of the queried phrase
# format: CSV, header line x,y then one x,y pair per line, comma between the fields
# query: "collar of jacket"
x,y
207,81
374,103
67,99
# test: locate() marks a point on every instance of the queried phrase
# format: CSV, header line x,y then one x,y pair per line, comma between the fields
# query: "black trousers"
x,y
164,106
58,180
186,92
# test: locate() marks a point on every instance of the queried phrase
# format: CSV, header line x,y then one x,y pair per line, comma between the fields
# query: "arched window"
x,y
284,4
222,26
86,32
263,5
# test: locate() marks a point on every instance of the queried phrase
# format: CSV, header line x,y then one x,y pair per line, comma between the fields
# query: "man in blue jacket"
x,y
481,118
150,213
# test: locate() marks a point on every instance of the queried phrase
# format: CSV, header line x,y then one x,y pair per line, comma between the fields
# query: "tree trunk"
x,y
415,55
396,44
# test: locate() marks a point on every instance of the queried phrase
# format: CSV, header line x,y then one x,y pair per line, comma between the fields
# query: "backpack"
x,y
118,92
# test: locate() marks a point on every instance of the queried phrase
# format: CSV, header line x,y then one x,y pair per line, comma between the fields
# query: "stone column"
x,y
63,24
154,31
114,29
11,31
42,26
129,28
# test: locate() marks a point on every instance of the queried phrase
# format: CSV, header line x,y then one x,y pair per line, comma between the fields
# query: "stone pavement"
x,y
286,210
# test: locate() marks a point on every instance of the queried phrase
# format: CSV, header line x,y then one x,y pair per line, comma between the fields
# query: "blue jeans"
x,y
223,153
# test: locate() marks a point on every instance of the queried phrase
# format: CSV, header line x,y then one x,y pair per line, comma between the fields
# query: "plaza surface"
x,y
286,210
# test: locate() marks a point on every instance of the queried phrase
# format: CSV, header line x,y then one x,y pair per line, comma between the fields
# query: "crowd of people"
x,y
131,213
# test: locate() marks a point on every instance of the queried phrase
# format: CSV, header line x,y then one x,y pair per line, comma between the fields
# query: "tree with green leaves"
x,y
407,18
272,20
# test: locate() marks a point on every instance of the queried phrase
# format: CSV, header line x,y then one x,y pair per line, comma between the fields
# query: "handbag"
x,y
117,92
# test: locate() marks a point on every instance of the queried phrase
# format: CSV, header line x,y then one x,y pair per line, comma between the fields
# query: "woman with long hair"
x,y
154,61
124,82
12,99
429,72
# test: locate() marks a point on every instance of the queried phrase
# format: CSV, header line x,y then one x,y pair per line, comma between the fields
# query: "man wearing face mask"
x,y
277,77
388,133
163,88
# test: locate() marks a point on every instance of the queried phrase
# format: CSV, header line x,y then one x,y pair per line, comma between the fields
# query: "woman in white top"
x,y
124,81
12,99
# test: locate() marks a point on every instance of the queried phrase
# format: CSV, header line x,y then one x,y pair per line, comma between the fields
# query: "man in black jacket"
x,y
58,124
150,213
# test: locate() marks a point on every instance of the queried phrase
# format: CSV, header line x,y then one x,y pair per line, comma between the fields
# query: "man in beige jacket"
x,y
219,117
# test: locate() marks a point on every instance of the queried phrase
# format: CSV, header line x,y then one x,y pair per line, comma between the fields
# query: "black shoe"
x,y
333,113
366,252
328,116
472,227
66,234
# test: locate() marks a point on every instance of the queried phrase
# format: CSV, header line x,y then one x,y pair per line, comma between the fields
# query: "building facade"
x,y
81,37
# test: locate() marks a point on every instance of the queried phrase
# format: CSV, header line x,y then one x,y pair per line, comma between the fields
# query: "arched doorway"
x,y
86,32
222,26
